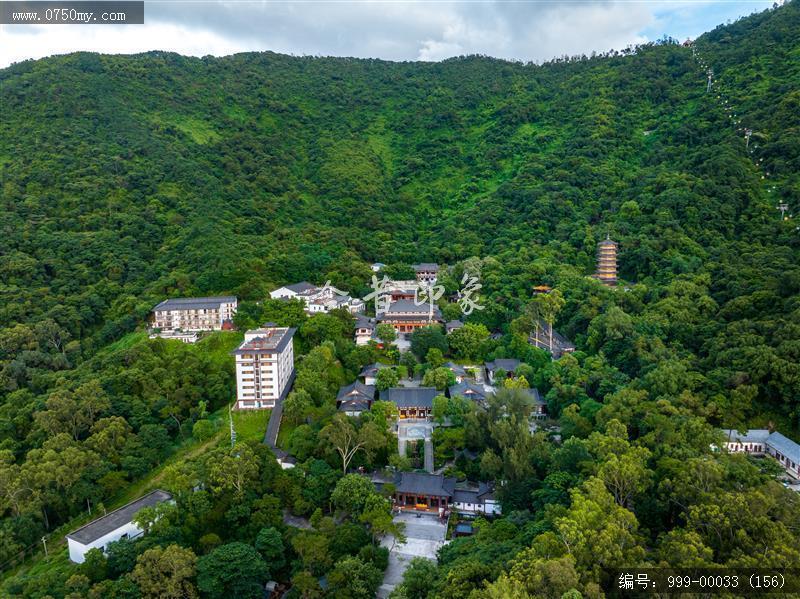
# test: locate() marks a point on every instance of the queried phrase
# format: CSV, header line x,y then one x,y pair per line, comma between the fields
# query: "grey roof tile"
x,y
507,364
104,525
785,446
194,303
420,483
410,397
356,390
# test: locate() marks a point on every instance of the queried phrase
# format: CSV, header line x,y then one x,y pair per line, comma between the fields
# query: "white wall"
x,y
277,367
282,292
489,507
492,507
77,550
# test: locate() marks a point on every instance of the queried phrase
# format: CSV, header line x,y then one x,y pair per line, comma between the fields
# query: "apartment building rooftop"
x,y
194,303
268,340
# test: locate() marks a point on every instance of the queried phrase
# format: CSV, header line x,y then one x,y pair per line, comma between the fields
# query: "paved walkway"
x,y
428,455
416,430
424,536
274,424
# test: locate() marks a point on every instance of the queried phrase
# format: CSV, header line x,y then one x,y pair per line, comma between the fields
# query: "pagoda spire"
x,y
607,261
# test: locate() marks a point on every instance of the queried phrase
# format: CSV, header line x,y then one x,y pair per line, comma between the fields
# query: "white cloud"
x,y
419,30
432,50
36,41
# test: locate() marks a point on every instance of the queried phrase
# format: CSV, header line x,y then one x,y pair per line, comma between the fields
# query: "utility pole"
x,y
710,75
783,207
233,431
747,134
44,542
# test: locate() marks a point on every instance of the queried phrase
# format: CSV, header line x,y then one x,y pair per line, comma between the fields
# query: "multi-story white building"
x,y
195,313
264,367
319,299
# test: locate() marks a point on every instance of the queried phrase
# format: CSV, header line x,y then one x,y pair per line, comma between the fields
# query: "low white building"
x,y
480,500
319,299
457,370
264,367
453,325
507,365
112,527
365,330
292,291
195,314
786,451
760,441
185,337
285,461
369,374
753,441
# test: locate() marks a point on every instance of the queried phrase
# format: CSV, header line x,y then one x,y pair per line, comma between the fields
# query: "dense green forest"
x,y
127,179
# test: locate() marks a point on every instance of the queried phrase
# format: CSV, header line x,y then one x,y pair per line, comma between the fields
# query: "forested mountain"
x,y
127,179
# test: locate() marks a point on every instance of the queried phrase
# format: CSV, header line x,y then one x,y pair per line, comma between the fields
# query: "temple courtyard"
x,y
425,534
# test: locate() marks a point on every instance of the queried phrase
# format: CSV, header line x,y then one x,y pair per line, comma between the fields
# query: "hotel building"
x,y
264,367
194,313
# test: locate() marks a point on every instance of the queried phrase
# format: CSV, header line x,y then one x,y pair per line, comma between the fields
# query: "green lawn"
x,y
125,342
251,425
219,345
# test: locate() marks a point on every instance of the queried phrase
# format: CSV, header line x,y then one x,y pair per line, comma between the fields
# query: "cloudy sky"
x,y
396,30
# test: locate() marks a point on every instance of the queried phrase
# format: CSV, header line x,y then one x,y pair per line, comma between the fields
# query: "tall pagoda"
x,y
607,262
